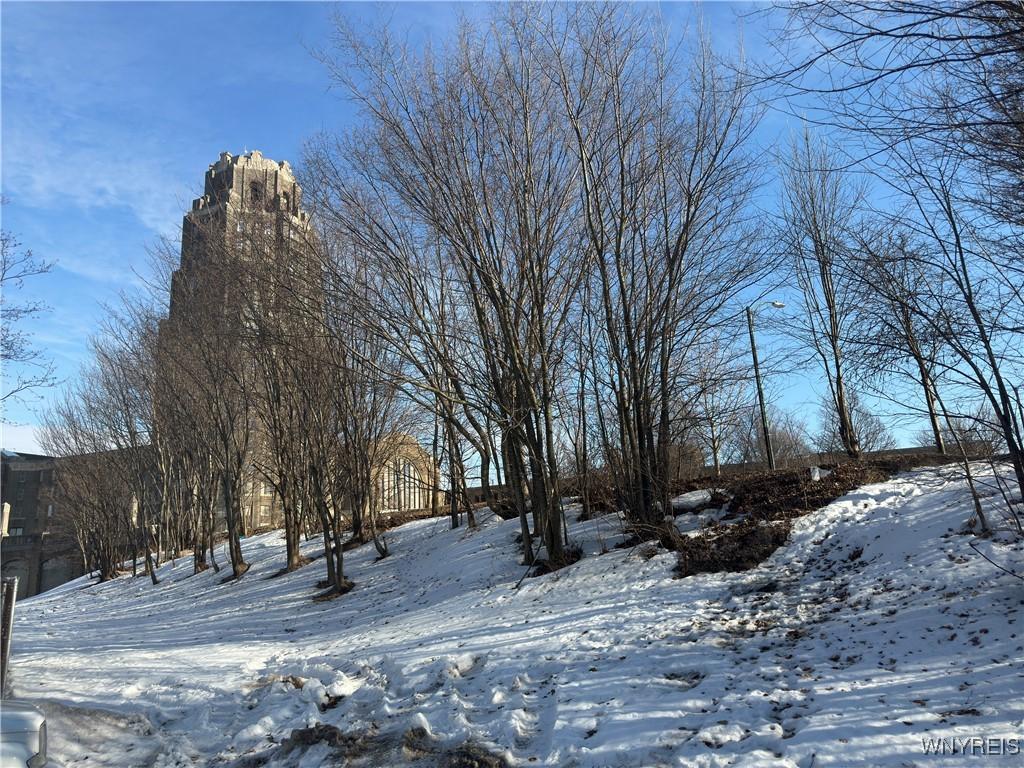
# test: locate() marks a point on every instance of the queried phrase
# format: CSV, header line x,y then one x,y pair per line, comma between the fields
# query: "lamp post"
x,y
757,379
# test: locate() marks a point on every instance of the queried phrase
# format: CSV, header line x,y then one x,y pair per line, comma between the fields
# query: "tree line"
x,y
536,252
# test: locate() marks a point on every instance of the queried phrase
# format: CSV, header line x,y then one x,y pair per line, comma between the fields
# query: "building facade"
x,y
251,208
36,549
408,481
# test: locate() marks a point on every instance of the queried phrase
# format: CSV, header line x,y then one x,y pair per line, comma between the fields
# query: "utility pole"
x,y
760,388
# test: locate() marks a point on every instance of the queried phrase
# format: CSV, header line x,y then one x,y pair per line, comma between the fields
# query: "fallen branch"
x,y
997,565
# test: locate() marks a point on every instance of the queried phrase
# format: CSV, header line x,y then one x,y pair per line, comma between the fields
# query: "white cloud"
x,y
87,135
98,171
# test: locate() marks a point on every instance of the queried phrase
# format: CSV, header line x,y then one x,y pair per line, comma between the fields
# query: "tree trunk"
x,y
514,478
232,512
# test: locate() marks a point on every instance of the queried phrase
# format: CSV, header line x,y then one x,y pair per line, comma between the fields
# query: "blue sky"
x,y
111,114
113,111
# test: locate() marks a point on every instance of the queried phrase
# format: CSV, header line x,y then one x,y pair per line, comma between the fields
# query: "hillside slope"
x,y
874,629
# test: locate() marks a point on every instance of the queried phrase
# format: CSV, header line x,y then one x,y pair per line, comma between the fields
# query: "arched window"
x,y
19,568
405,484
255,193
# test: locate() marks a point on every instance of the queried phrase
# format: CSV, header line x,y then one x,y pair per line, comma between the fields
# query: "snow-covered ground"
x,y
876,628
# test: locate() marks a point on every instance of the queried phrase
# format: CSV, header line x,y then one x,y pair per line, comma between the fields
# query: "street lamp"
x,y
757,378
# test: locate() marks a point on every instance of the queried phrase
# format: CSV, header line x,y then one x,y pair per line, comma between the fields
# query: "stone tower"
x,y
250,263
249,215
240,191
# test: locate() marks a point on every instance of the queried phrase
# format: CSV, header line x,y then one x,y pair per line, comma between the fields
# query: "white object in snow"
x,y
22,735
692,500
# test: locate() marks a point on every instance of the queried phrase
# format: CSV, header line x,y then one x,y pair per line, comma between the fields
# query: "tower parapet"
x,y
247,200
237,183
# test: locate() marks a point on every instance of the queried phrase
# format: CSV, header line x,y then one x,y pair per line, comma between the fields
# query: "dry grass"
x,y
766,503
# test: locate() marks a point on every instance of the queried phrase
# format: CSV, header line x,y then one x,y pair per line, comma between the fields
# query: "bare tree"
x,y
791,441
819,207
723,400
320,425
946,76
121,398
92,498
932,96
191,482
466,157
665,176
871,430
371,414
25,367
283,310
889,341
203,343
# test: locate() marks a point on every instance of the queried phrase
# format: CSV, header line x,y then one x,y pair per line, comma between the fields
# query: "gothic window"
x,y
255,193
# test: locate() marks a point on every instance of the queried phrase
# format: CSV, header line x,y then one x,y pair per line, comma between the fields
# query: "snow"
x,y
693,511
691,500
877,626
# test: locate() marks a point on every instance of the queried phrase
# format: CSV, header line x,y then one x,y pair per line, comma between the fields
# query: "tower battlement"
x,y
253,159
249,182
245,196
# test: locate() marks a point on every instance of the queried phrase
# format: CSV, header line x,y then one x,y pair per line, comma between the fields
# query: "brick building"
x,y
36,549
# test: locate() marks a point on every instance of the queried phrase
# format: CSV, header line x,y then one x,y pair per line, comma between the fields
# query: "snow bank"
x,y
691,500
875,628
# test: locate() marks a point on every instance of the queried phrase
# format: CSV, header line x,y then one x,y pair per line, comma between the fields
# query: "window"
x,y
268,488
255,193
264,513
397,480
16,531
407,480
49,510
